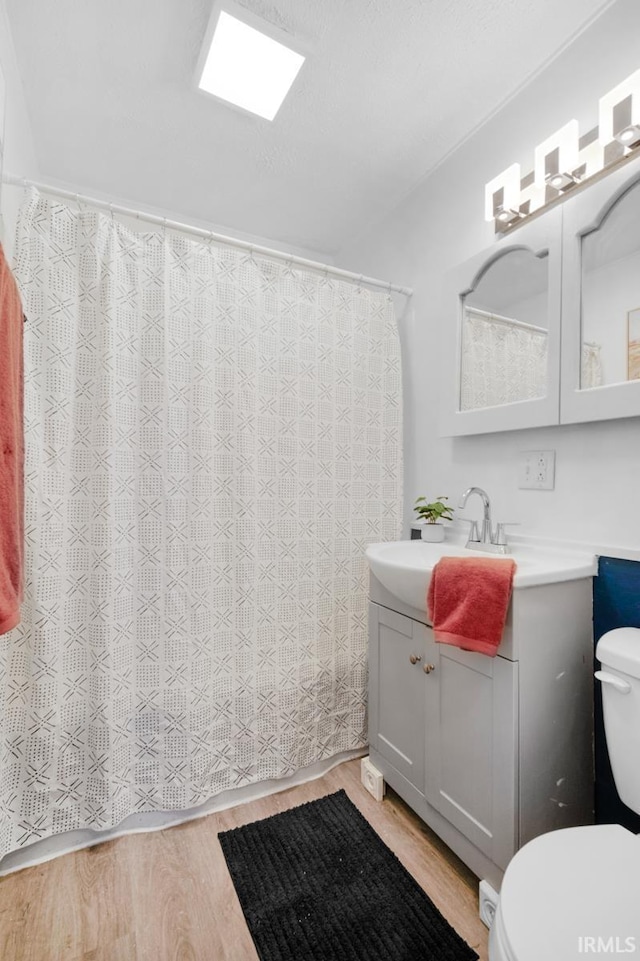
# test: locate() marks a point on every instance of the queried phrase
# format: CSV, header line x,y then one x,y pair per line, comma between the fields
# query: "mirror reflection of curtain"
x,y
591,365
503,360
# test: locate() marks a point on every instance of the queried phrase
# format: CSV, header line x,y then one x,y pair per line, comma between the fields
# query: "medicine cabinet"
x,y
601,300
566,284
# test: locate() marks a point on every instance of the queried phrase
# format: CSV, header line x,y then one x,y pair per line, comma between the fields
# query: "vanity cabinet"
x,y
399,650
452,738
490,752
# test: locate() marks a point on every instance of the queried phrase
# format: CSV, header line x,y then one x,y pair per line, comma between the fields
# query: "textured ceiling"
x,y
388,89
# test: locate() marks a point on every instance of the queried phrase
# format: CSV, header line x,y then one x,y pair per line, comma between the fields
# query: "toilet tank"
x,y
619,653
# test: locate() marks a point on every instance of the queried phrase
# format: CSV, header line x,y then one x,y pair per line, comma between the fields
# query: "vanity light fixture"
x,y
556,160
562,182
630,136
246,66
507,216
619,113
566,160
502,197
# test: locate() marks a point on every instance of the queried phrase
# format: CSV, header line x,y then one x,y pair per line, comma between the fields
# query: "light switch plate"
x,y
536,470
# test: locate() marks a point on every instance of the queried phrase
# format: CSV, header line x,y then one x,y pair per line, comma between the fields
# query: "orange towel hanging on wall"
x,y
11,450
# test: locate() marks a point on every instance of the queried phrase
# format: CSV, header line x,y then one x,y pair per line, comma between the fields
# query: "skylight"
x,y
247,68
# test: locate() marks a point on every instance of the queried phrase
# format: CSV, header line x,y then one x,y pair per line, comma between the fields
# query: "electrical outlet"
x,y
536,470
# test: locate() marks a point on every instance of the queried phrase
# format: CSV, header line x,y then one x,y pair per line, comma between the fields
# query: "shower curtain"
x,y
502,361
213,438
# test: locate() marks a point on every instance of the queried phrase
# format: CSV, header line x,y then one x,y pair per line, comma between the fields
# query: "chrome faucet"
x,y
487,539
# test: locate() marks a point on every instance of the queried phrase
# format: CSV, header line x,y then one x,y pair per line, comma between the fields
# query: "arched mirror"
x,y
610,315
503,330
601,301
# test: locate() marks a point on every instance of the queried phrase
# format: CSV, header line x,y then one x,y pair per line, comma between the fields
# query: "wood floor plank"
x,y
214,895
167,895
103,883
19,894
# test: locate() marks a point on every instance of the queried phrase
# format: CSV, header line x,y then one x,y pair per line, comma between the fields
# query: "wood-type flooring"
x,y
167,895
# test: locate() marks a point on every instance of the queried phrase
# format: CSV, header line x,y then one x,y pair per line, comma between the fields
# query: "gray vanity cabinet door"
x,y
471,743
396,692
451,730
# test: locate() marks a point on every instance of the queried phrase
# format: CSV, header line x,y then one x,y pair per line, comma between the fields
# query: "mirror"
x,y
501,334
504,338
610,313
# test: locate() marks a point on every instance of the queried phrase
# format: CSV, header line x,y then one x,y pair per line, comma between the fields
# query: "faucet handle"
x,y
474,534
500,538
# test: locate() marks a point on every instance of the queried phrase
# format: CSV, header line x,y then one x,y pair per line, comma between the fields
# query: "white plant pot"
x,y
433,533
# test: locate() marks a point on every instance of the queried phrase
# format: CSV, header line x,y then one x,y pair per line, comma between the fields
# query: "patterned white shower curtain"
x,y
212,440
502,361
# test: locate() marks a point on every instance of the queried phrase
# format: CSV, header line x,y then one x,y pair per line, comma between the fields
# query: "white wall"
x,y
20,159
19,153
441,224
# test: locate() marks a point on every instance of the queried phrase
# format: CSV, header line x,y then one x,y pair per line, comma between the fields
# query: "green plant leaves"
x,y
434,512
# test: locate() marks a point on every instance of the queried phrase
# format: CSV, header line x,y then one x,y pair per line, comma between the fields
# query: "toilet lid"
x,y
571,885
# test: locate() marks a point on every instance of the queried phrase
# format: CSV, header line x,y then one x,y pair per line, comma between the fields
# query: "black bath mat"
x,y
316,883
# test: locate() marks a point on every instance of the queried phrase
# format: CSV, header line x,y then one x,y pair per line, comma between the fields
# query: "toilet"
x,y
575,893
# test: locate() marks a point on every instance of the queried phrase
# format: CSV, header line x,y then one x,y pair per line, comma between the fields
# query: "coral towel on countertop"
x,y
11,450
468,600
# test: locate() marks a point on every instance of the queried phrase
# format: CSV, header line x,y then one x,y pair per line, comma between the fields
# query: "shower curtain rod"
x,y
507,321
14,181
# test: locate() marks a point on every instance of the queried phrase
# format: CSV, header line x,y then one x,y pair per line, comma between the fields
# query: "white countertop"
x,y
404,567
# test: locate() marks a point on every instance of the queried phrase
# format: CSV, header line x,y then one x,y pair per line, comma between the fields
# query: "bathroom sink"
x,y
404,567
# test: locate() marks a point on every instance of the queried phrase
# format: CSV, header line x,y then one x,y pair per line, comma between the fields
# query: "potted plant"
x,y
431,515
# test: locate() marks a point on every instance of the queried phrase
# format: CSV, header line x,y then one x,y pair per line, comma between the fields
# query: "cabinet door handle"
x,y
428,668
414,658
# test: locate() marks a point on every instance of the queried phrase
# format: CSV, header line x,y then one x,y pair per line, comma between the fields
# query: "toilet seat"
x,y
567,886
